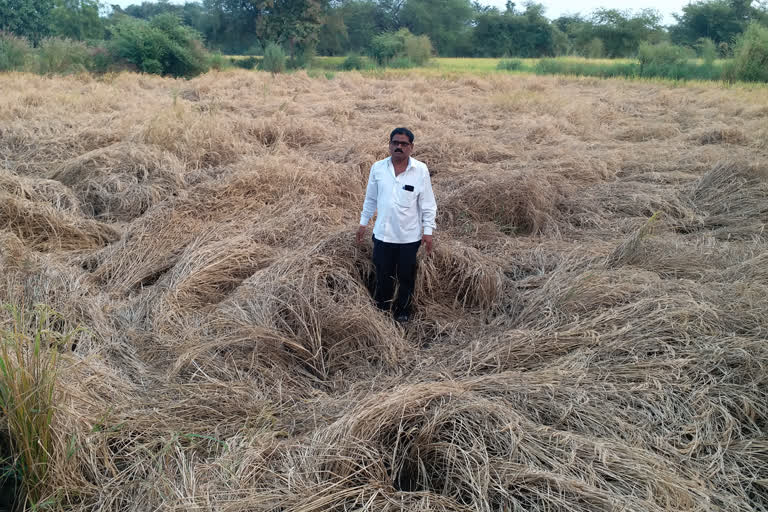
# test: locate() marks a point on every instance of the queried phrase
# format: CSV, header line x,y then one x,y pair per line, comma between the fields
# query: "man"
x,y
400,192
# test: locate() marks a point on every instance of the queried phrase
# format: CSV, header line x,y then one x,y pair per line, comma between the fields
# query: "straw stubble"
x,y
589,333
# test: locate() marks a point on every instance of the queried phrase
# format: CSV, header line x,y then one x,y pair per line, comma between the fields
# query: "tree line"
x,y
455,28
161,37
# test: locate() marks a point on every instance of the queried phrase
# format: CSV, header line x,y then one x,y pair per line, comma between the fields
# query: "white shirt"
x,y
404,204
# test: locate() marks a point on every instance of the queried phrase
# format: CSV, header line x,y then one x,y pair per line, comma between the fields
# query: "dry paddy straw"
x,y
591,330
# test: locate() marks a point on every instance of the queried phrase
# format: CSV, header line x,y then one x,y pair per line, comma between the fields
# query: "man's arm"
x,y
428,207
369,205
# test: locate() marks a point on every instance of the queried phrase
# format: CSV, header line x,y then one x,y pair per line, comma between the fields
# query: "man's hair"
x,y
401,131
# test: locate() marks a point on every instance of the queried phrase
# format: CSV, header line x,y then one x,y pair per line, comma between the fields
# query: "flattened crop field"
x,y
591,329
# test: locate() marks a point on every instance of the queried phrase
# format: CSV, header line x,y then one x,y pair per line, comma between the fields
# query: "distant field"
x,y
464,64
691,71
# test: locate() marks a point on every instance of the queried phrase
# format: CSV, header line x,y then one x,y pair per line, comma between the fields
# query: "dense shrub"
x,y
302,59
750,56
274,59
510,65
62,56
247,63
665,60
353,62
384,47
585,68
100,60
707,50
595,49
418,49
400,46
401,63
218,61
161,46
653,63
14,52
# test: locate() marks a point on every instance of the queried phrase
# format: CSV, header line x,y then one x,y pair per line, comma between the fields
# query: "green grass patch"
x,y
657,63
673,69
29,357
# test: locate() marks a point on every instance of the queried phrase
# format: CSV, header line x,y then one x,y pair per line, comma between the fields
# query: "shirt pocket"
x,y
405,198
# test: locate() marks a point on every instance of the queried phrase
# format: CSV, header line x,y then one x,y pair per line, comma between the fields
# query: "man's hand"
x,y
427,241
360,234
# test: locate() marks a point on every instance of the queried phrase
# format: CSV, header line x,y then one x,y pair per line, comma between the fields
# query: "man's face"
x,y
400,147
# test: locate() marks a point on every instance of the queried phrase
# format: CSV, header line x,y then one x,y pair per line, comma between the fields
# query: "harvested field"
x,y
591,329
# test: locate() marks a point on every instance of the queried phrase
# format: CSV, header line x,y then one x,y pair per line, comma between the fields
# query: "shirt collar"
x,y
392,166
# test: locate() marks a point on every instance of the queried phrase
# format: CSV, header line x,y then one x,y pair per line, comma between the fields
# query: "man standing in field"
x,y
400,192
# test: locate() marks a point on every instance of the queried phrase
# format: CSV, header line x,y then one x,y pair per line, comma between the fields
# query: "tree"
x,y
230,25
623,31
389,13
293,23
391,46
26,18
363,20
445,22
526,34
333,38
750,60
719,20
77,19
162,45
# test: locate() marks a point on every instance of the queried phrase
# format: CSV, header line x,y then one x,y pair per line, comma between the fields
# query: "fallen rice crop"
x,y
591,331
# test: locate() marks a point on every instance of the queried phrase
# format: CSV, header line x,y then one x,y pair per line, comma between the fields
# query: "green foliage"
x,y
385,47
750,56
77,19
401,63
622,31
294,24
656,61
664,60
585,68
526,34
719,20
218,61
62,56
401,46
29,357
333,38
560,43
362,21
353,62
446,23
595,49
418,49
100,58
26,18
14,52
510,65
707,50
247,63
161,46
611,32
274,59
302,58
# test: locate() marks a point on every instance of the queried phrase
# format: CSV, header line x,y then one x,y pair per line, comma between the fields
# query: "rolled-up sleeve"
x,y
428,206
371,195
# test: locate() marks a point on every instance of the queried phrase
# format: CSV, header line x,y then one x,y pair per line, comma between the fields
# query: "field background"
x,y
467,64
590,330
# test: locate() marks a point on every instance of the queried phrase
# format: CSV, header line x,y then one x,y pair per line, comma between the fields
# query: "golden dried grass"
x,y
566,353
122,181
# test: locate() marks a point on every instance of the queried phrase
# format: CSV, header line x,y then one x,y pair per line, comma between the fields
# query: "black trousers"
x,y
394,262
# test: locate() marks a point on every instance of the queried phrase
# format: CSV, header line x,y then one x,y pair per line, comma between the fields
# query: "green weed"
x,y
29,357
